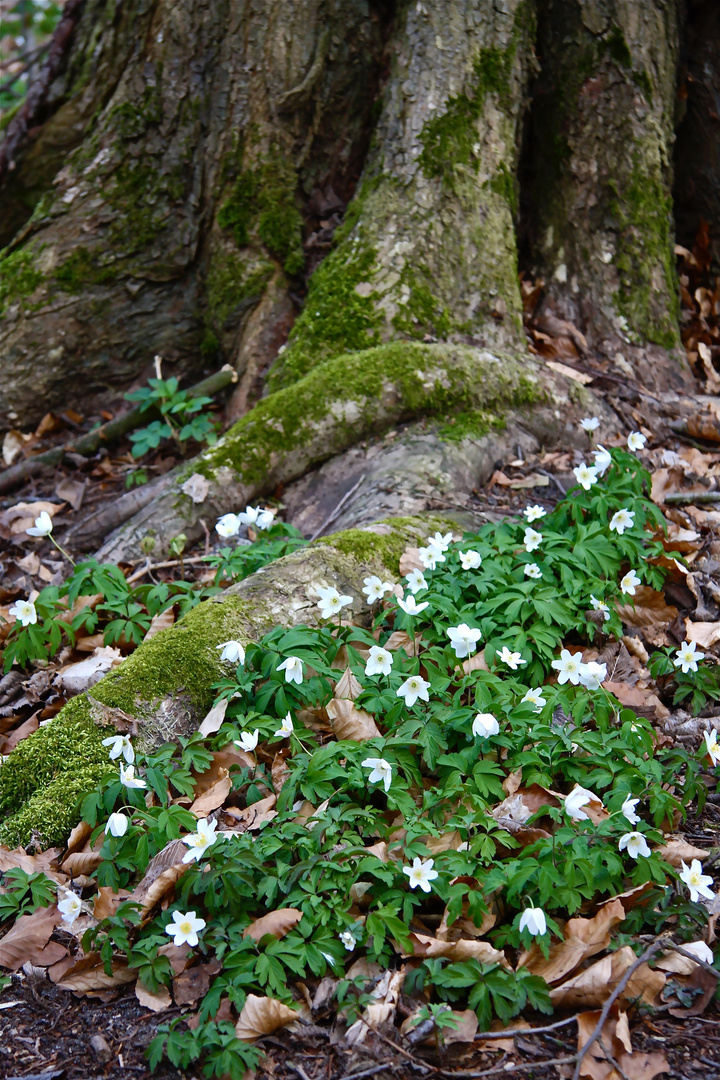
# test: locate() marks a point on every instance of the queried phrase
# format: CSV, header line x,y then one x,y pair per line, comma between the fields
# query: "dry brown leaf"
x,y
676,962
410,560
81,862
705,984
615,1037
642,701
512,782
45,861
178,955
449,841
22,516
254,816
348,686
632,897
675,850
194,982
222,760
379,1011
157,1002
400,640
379,850
163,621
569,373
351,723
466,1030
704,634
77,838
476,662
261,1016
591,987
582,938
106,902
532,480
278,923
19,733
214,719
279,773
214,797
88,974
651,610
162,872
72,491
28,938
463,949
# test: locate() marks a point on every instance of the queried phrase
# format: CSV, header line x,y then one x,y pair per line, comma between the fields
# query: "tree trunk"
x,y
210,153
600,162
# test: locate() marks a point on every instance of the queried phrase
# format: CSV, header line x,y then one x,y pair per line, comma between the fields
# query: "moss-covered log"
x,y
600,170
166,684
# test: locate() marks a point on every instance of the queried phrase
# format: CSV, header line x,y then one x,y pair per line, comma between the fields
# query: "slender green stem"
x,y
61,549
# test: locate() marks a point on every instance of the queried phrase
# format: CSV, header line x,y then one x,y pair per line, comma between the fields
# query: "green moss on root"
x,y
430,380
473,424
49,816
80,269
19,276
336,317
232,286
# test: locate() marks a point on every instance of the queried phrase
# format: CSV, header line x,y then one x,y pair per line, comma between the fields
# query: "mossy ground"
x,y
19,276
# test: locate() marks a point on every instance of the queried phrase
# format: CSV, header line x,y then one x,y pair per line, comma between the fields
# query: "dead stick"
x,y
162,566
525,1031
695,959
507,1070
107,433
650,951
682,498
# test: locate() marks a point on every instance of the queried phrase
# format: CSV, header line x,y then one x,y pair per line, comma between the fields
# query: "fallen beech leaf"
x,y
410,560
532,480
162,621
278,923
379,850
279,773
705,984
705,634
676,851
178,955
261,1016
476,662
77,837
348,686
512,782
581,938
28,938
650,610
214,719
449,841
214,797
81,862
194,982
23,514
569,373
351,723
72,491
45,861
19,733
162,872
677,963
88,974
400,640
254,816
464,949
157,1002
591,987
106,902
379,1011
615,1037
632,897
223,760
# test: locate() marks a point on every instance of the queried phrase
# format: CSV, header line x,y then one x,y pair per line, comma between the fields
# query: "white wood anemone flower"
x,y
421,873
184,928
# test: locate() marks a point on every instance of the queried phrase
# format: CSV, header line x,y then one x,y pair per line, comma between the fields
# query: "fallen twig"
x,y
107,433
681,498
149,567
694,958
597,1031
508,1070
512,1032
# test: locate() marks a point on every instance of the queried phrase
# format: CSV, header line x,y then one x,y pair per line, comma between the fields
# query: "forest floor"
x,y
48,1032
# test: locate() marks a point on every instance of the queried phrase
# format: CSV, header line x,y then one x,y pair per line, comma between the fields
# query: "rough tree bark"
x,y
191,164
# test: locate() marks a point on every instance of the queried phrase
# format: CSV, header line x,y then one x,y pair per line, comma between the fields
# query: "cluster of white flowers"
x,y
253,516
571,668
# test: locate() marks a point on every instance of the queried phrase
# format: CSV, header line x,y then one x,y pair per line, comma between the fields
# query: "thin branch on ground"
x,y
658,944
507,1070
512,1032
149,567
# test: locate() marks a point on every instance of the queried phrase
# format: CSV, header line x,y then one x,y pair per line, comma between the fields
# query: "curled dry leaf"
x,y
410,560
650,610
379,1011
449,841
157,1002
581,938
279,773
81,862
254,816
75,678
400,640
466,1030
77,838
348,686
29,938
222,760
88,975
615,1037
351,723
591,987
162,621
45,861
464,949
214,719
675,850
261,1016
278,923
107,902
194,982
162,873
214,797
8,744
476,662
704,634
